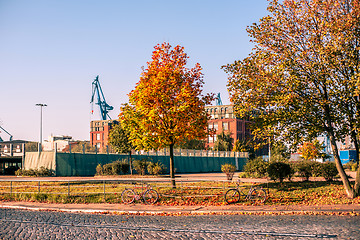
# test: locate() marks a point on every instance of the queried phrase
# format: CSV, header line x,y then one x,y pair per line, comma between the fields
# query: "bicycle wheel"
x,y
150,196
128,196
232,196
258,195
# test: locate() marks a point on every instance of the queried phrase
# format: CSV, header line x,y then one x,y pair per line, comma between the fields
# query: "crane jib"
x,y
100,100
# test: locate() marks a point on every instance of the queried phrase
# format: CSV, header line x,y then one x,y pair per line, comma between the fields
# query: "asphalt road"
x,y
23,224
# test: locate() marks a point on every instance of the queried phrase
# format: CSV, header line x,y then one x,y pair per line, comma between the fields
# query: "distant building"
x,y
11,156
99,133
223,119
61,142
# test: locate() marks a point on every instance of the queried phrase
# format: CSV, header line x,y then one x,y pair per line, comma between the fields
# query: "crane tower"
x,y
100,100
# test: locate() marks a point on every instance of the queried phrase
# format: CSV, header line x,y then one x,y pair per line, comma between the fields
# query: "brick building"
x,y
223,119
99,133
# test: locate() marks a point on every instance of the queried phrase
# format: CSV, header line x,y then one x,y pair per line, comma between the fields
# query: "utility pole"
x,y
41,105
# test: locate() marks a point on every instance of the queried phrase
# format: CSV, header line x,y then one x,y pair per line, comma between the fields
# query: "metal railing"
x,y
108,187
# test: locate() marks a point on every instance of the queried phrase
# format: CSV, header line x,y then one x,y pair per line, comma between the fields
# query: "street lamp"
x,y
41,105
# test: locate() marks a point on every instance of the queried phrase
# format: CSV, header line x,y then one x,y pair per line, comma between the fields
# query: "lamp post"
x,y
41,105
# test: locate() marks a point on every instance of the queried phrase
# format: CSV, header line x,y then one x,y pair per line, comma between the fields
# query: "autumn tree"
x,y
119,140
167,104
303,76
311,150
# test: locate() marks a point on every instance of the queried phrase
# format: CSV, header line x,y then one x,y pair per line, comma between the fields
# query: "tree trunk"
x,y
172,168
357,179
130,163
357,182
349,190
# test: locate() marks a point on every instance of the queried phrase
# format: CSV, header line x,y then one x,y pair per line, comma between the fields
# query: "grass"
x,y
186,193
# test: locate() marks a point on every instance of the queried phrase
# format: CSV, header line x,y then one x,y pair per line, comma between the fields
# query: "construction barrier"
x,y
84,164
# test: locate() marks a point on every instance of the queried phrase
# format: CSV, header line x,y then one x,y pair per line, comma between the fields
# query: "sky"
x,y
51,51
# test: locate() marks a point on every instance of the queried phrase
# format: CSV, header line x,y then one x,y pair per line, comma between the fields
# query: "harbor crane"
x,y
11,136
104,107
218,100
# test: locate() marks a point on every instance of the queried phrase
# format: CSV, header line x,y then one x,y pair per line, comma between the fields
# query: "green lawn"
x,y
186,193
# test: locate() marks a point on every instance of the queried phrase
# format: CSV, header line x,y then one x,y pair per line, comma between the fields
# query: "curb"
x,y
186,212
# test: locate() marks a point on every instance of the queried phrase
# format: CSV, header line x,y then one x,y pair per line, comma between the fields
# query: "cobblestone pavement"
x,y
23,224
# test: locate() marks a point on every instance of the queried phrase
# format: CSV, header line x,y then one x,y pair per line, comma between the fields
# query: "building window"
x,y
98,146
98,136
216,126
225,126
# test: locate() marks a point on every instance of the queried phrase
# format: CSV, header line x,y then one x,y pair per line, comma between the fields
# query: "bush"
x,y
41,172
307,169
304,169
316,169
229,169
292,170
140,166
351,165
278,171
155,168
329,171
44,172
99,170
108,169
125,166
115,168
256,167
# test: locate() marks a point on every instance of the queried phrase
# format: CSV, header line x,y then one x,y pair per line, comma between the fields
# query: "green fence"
x,y
79,164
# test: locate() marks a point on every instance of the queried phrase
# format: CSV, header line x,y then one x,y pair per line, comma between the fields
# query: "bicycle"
x,y
147,194
255,194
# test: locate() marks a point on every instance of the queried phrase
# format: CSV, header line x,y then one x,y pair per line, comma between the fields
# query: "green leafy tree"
x,y
279,151
80,146
303,76
119,140
245,146
224,142
167,104
197,144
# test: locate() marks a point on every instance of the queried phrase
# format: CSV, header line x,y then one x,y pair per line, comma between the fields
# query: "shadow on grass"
x,y
305,185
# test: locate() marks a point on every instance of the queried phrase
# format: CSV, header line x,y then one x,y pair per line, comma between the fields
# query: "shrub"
x,y
256,167
292,169
278,171
99,170
140,166
108,169
155,168
329,171
125,166
307,168
19,172
41,172
115,168
304,169
351,165
44,172
229,169
316,169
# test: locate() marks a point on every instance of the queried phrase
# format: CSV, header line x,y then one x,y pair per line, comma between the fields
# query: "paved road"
x,y
23,224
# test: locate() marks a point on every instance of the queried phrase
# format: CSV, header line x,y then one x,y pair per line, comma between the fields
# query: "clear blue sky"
x,y
51,51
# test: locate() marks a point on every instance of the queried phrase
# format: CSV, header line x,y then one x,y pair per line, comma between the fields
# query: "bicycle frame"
x,y
254,194
147,194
